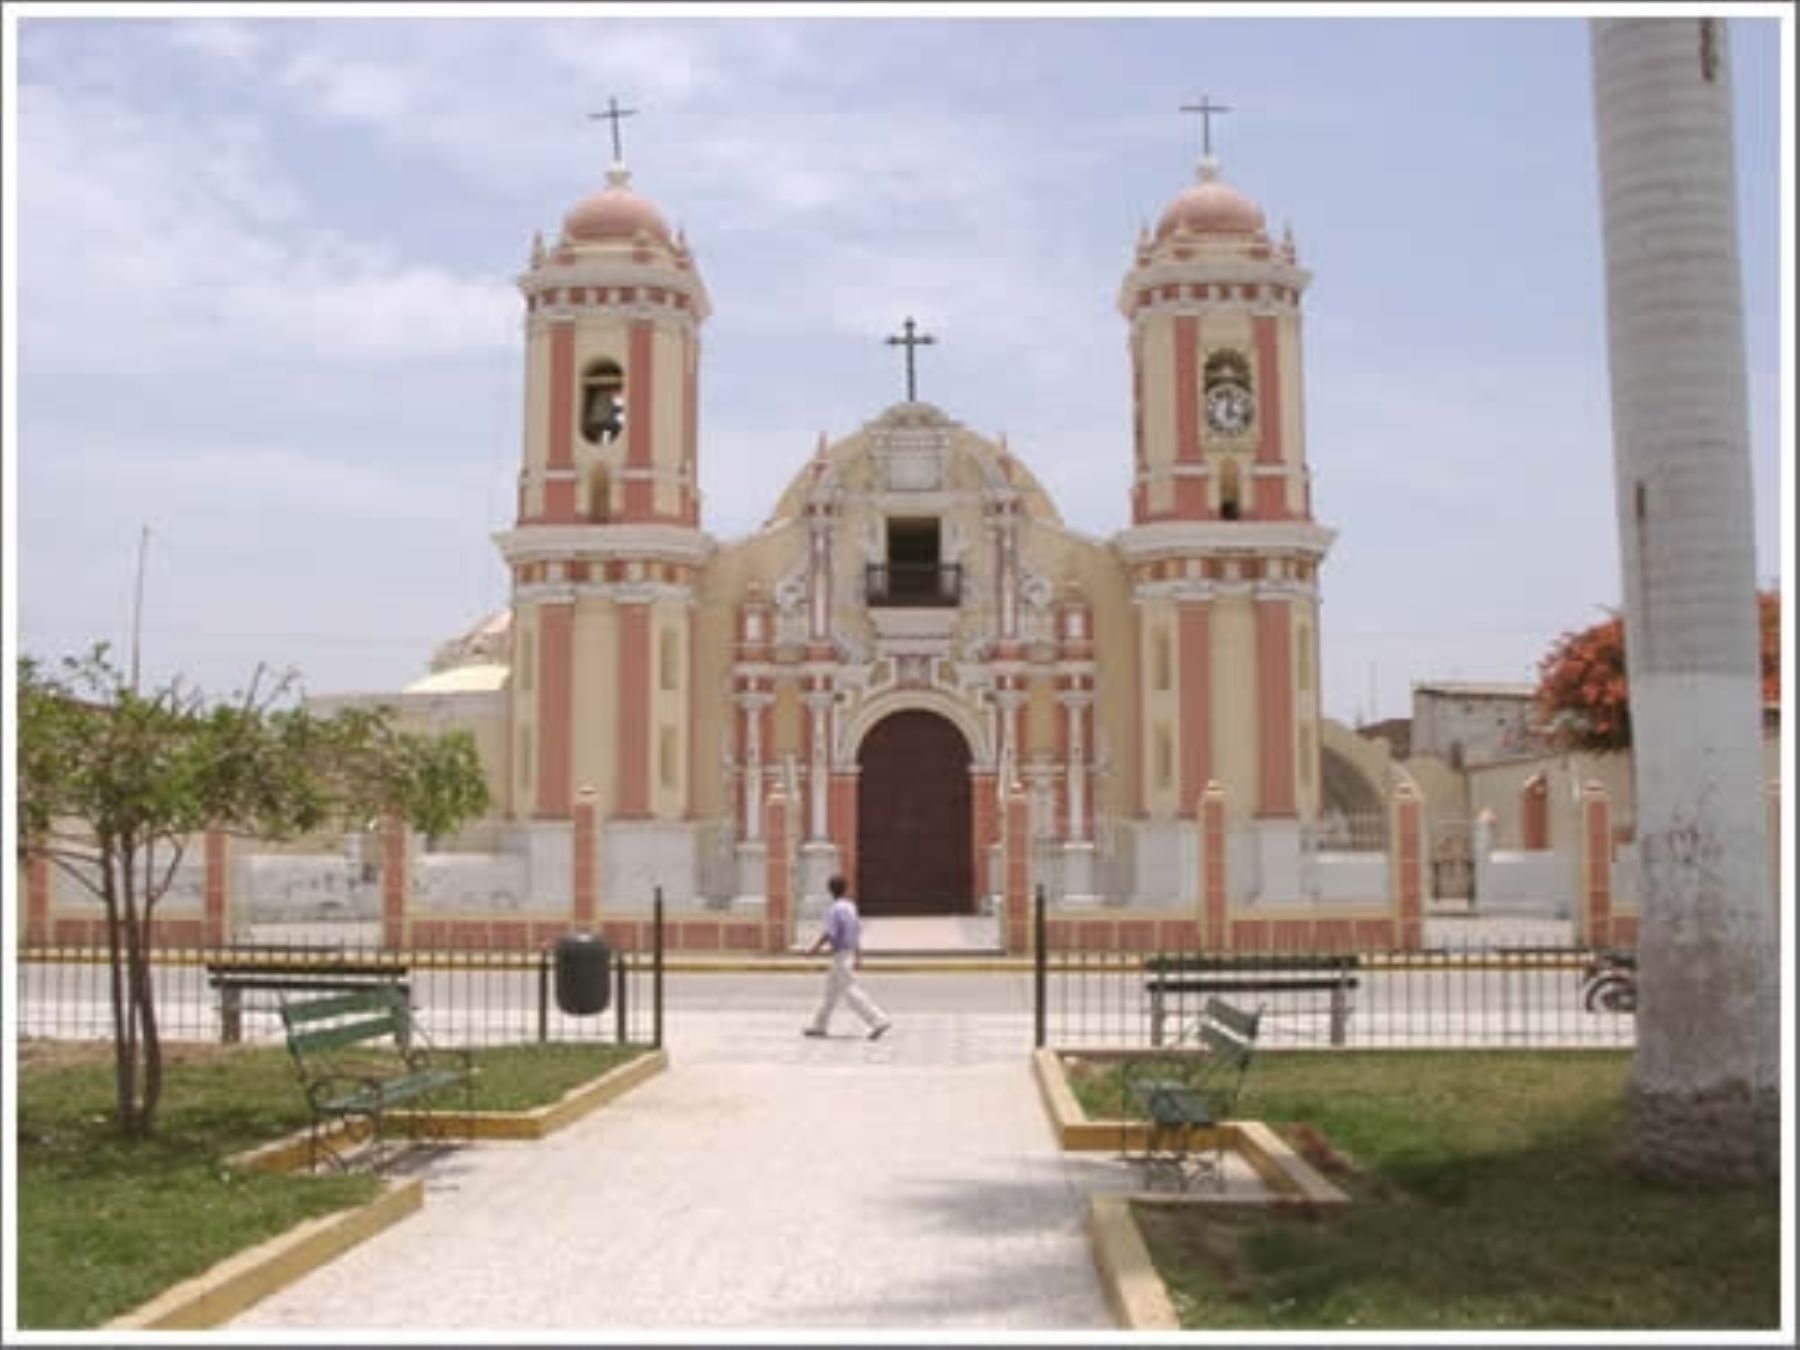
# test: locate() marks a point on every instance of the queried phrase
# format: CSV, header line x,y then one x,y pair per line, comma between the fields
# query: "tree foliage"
x,y
113,785
1584,696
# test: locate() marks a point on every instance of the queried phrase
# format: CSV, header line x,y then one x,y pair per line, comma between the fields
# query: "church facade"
x,y
914,632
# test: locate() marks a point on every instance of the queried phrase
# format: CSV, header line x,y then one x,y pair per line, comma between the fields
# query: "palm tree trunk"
x,y
1705,1081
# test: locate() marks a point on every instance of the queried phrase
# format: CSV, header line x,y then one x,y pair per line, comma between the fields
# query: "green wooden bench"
x,y
360,1053
1185,1095
1169,979
289,970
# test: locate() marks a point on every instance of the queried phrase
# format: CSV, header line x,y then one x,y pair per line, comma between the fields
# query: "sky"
x,y
262,279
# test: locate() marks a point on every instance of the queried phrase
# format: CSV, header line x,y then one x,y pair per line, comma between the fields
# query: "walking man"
x,y
843,931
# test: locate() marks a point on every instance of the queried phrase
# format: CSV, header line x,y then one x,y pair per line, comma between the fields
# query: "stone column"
x,y
779,888
37,902
1406,866
215,925
1078,848
1594,901
818,852
1481,857
1076,677
632,736
396,882
1018,872
586,836
1215,907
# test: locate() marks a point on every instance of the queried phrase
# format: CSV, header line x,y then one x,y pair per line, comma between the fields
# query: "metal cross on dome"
x,y
1205,108
614,114
909,341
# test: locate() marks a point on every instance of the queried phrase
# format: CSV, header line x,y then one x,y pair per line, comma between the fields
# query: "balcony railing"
x,y
913,585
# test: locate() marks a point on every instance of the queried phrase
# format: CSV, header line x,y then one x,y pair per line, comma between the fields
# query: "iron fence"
x,y
1489,997
461,998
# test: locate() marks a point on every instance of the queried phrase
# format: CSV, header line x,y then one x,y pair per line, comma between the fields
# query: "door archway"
x,y
914,836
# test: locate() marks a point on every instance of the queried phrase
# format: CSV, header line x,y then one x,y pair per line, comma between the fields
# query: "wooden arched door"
x,y
914,836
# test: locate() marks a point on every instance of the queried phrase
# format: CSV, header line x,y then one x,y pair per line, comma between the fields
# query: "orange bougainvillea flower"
x,y
1584,691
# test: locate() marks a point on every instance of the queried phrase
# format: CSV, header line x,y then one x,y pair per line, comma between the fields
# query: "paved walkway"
x,y
765,1181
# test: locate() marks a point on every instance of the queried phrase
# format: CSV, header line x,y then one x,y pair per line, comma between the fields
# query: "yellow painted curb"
x,y
1284,1171
236,1283
1289,1176
542,1120
1134,1291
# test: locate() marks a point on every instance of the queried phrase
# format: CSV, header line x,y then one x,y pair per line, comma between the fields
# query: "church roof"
x,y
1211,206
615,212
472,679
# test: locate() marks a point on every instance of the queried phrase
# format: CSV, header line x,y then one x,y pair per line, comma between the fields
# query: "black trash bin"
x,y
583,974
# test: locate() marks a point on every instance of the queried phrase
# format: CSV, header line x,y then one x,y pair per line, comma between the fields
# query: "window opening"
x,y
915,573
602,403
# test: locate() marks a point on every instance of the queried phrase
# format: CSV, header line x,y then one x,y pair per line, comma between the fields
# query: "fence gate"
x,y
1452,860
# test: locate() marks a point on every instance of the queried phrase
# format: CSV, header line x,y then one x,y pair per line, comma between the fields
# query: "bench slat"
x,y
1261,961
345,1033
1238,985
385,998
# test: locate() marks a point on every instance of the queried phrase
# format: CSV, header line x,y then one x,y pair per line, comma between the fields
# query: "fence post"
x,y
1040,968
543,995
621,1020
656,974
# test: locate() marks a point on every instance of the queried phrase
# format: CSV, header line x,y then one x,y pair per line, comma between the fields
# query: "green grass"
x,y
107,1223
1487,1193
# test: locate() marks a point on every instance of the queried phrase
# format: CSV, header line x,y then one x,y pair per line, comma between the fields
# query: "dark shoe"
x,y
880,1031
811,1031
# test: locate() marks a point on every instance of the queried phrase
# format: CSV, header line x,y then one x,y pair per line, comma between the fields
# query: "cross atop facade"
x,y
1206,108
614,114
909,341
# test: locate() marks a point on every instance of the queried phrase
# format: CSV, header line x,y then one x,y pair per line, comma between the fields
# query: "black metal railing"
x,y
1487,996
462,998
901,585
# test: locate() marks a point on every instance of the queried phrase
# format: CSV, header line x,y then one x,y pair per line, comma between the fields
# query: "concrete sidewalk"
x,y
765,1181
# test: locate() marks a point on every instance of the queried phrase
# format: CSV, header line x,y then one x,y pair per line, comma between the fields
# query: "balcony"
x,y
903,585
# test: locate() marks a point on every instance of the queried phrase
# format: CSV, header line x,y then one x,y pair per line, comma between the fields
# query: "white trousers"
x,y
841,983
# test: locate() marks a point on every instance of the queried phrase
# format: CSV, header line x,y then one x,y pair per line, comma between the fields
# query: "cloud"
x,y
193,248
236,46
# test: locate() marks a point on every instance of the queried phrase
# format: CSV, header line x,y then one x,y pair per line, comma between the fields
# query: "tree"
x,y
1705,1095
1583,696
112,784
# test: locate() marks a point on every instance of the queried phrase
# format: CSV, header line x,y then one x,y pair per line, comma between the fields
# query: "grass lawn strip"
x,y
107,1224
1488,1194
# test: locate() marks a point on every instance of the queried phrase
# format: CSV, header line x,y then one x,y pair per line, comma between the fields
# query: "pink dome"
x,y
1211,207
615,212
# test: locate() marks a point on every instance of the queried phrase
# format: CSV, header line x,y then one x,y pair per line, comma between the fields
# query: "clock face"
x,y
1229,409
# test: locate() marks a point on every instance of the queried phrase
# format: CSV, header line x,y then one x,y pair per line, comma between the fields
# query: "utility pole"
x,y
137,607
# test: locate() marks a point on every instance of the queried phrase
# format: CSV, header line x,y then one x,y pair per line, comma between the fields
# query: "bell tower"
x,y
1222,550
606,547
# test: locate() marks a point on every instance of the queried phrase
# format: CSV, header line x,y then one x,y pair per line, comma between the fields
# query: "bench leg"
x,y
1340,1015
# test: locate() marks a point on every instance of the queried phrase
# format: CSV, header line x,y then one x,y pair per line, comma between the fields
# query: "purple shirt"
x,y
843,930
